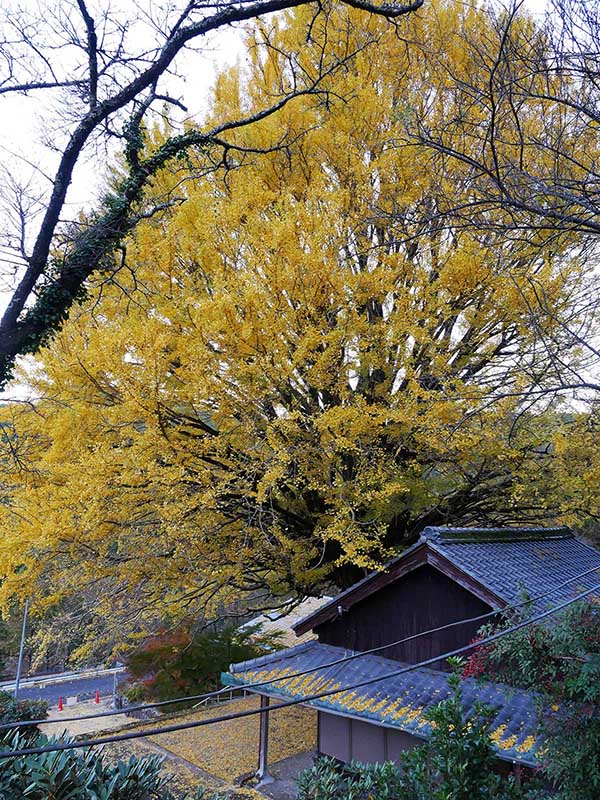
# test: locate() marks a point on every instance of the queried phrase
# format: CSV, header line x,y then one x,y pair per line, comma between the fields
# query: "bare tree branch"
x,y
109,91
521,131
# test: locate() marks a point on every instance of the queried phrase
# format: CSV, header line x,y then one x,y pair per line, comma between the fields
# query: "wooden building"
x,y
450,575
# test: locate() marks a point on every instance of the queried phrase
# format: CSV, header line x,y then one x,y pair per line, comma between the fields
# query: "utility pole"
x,y
21,648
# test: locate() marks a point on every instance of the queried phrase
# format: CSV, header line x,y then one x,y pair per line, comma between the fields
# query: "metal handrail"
x,y
226,697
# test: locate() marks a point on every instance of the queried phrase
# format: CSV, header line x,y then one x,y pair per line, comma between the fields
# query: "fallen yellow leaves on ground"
x,y
230,749
184,779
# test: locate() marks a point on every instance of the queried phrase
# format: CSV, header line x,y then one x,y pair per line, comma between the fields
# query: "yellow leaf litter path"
x,y
214,756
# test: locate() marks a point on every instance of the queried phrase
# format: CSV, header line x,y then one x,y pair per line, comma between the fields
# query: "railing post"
x,y
263,774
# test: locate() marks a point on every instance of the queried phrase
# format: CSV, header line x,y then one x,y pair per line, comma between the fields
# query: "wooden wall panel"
x,y
397,742
368,742
347,739
423,599
335,736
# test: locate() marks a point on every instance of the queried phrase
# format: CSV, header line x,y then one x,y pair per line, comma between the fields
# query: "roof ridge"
x,y
446,534
242,666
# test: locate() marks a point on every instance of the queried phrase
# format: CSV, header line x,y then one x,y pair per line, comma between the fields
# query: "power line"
x,y
298,701
352,657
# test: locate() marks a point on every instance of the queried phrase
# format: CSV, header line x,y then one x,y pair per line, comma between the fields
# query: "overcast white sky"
x,y
27,136
31,132
25,122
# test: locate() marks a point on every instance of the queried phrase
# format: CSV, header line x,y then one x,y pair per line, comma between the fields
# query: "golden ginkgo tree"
x,y
290,373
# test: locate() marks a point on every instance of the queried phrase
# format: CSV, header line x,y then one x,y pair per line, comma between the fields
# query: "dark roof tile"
x,y
399,701
517,563
511,563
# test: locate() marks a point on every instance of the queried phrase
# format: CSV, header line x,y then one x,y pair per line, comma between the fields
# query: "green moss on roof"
x,y
497,534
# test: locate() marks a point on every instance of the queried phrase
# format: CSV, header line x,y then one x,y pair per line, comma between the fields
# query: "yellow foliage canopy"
x,y
305,364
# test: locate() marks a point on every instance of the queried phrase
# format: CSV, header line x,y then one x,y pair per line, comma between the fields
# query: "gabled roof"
x,y
521,562
282,622
396,702
500,566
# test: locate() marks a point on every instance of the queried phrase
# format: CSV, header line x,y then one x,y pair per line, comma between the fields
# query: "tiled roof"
x,y
398,701
511,563
518,562
282,623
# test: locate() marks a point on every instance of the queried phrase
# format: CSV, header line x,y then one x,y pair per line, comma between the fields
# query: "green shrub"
x,y
561,663
135,693
458,760
456,763
328,780
76,775
12,710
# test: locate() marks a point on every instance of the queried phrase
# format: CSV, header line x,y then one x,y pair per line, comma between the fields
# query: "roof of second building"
x,y
396,701
501,566
281,623
517,563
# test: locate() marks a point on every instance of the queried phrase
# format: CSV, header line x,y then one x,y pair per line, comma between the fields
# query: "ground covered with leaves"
x,y
215,756
228,750
184,779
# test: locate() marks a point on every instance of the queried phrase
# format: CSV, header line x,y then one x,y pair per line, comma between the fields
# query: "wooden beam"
x,y
414,557
448,568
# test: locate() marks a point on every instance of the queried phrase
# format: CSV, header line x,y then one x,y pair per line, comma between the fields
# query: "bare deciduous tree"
x,y
522,131
528,132
108,84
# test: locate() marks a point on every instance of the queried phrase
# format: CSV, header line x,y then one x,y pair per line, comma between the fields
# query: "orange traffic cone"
x,y
97,698
60,704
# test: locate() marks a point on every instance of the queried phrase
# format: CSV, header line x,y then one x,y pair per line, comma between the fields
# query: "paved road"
x,y
69,688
